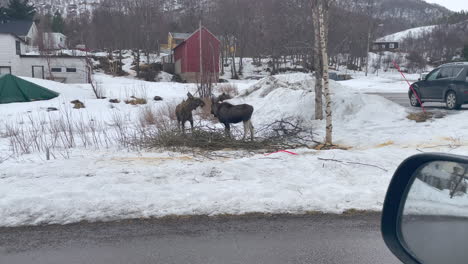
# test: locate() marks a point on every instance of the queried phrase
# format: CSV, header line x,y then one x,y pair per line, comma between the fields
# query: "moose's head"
x,y
194,102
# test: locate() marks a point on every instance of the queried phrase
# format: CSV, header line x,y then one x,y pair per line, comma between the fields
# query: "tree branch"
x,y
355,163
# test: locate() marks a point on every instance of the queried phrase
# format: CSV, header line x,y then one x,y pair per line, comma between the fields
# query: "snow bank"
x,y
108,185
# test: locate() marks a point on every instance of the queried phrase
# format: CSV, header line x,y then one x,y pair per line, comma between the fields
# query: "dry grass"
x,y
136,101
420,117
77,104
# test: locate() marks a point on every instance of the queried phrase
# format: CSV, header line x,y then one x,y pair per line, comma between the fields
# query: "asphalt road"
x,y
252,239
402,99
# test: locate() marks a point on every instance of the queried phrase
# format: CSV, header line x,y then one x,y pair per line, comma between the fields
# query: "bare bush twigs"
x,y
354,163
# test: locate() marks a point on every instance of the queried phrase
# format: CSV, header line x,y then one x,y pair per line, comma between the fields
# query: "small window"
x,y
392,45
18,48
56,69
71,69
5,70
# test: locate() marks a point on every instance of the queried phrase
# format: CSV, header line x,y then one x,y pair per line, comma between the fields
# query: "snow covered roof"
x,y
17,27
180,35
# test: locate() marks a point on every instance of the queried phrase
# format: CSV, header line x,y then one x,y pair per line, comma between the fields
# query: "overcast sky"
x,y
455,5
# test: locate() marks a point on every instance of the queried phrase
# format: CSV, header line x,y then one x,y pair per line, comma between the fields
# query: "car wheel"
x,y
451,101
414,100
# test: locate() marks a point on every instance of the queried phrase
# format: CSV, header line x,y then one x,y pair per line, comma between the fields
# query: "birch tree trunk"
x,y
323,9
317,64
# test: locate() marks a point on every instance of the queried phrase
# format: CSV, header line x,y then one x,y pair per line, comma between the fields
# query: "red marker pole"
x,y
410,86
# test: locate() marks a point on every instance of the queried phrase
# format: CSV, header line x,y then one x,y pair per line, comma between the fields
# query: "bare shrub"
x,y
278,135
169,111
229,89
98,90
147,116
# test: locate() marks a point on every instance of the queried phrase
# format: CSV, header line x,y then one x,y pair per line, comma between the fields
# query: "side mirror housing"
x,y
425,211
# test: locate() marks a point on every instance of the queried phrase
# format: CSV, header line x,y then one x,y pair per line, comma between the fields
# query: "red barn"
x,y
187,57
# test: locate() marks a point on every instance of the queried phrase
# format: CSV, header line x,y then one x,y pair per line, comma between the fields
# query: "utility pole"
x,y
201,53
370,5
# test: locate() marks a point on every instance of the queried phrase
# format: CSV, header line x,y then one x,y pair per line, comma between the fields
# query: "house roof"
x,y
192,34
17,27
180,35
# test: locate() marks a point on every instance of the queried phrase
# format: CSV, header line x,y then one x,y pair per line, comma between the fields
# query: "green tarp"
x,y
14,89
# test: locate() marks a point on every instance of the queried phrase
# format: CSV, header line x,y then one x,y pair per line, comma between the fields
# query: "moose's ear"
x,y
189,95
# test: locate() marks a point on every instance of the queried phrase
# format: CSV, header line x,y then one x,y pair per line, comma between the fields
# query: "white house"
x,y
16,58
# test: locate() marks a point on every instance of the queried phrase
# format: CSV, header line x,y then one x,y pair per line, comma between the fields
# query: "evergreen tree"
x,y
58,24
3,14
20,9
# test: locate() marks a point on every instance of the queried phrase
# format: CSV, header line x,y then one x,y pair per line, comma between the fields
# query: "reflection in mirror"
x,y
434,224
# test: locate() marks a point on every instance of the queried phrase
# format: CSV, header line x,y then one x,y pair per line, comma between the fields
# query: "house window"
x,y
392,45
71,69
56,69
18,48
5,70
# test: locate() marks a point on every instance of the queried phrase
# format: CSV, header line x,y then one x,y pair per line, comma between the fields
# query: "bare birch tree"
x,y
317,65
322,9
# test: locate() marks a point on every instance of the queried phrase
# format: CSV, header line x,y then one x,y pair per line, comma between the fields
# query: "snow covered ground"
x,y
111,182
385,82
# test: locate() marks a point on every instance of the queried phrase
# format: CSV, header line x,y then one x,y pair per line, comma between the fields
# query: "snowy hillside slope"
x,y
412,32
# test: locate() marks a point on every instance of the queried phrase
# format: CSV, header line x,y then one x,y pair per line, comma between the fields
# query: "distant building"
x,y
24,29
379,46
54,41
18,56
174,39
186,57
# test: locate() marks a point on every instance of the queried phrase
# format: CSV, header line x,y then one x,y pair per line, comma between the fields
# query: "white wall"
x,y
8,55
62,63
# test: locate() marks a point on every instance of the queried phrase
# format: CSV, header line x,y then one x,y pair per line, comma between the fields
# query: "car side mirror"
x,y
425,214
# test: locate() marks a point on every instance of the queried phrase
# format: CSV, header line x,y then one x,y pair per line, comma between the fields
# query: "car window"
x,y
445,73
433,75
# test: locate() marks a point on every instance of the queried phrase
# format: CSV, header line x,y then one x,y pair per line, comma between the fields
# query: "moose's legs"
x,y
191,122
227,129
251,130
248,127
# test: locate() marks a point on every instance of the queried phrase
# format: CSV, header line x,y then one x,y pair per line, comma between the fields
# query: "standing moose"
x,y
184,111
233,114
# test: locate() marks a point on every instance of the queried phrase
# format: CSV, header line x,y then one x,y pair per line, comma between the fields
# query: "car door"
x,y
425,86
439,86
